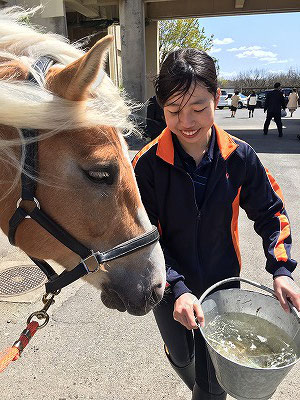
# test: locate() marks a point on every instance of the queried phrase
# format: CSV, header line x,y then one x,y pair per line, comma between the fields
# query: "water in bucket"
x,y
250,340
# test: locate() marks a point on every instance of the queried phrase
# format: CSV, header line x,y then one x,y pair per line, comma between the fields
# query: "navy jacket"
x,y
275,101
237,179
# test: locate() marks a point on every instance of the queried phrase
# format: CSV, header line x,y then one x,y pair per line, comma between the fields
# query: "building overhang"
x,y
168,9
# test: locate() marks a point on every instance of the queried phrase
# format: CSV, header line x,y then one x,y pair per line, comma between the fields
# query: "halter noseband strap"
x,y
28,181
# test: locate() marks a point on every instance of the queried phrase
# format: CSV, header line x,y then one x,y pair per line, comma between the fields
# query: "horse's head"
x,y
85,179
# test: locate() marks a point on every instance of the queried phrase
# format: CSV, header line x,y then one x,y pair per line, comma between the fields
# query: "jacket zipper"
x,y
198,219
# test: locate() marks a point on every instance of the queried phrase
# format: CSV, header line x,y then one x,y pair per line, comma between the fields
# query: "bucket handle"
x,y
258,285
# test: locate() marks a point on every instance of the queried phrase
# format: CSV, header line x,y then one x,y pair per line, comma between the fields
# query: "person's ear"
x,y
217,97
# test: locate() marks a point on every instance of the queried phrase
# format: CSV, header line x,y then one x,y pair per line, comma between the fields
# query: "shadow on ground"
x,y
271,143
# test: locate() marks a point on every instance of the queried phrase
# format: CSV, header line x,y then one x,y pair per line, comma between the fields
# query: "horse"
x,y
83,178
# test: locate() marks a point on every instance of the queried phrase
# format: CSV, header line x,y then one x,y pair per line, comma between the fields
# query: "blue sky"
x,y
262,41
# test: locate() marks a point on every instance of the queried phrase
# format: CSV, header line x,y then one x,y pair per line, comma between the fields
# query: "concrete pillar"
x,y
52,16
132,23
113,55
152,56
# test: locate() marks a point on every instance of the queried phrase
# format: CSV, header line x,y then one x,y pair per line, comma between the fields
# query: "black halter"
x,y
29,183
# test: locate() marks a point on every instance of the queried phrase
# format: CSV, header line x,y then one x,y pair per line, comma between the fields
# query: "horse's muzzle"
x,y
141,304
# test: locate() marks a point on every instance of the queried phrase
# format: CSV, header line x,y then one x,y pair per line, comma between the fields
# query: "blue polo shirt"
x,y
199,173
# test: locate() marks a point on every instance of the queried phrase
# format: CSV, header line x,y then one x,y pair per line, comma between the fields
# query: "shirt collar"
x,y
186,157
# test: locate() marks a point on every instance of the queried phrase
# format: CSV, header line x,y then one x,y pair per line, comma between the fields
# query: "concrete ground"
x,y
89,352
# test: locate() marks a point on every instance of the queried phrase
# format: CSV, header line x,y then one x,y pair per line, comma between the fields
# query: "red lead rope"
x,y
13,353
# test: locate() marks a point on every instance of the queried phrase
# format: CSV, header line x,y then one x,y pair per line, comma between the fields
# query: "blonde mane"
x,y
26,105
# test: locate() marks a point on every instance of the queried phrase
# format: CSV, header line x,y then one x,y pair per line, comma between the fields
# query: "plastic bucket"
x,y
240,381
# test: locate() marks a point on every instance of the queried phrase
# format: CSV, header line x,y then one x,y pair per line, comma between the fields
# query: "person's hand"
x,y
186,308
286,289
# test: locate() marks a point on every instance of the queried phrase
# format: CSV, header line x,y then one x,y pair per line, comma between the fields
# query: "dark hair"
x,y
294,90
183,68
277,85
236,92
253,93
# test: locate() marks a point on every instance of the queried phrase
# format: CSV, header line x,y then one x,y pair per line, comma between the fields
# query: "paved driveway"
x,y
89,352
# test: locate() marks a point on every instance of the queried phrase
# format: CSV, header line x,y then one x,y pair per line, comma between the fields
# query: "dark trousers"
x,y
183,345
277,119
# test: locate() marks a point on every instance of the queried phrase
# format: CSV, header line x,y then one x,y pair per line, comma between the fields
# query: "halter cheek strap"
x,y
88,257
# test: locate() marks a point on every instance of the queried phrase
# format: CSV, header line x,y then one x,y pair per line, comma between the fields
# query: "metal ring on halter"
x,y
88,269
39,315
34,199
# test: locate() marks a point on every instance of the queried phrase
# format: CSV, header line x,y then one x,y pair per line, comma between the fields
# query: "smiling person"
x,y
193,178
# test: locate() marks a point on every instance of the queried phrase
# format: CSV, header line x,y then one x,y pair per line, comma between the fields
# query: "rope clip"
x,y
42,314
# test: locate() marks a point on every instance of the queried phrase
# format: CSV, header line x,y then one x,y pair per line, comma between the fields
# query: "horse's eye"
x,y
101,176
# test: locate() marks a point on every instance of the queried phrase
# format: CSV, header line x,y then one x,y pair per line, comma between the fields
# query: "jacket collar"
x,y
165,147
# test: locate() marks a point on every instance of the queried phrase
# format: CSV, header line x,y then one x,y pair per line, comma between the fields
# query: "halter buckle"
x,y
91,258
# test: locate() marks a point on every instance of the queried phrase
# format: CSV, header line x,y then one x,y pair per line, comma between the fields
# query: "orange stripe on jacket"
x,y
165,148
225,142
275,185
279,250
234,226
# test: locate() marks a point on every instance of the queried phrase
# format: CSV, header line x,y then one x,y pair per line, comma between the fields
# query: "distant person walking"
x,y
155,120
275,102
293,101
251,103
234,103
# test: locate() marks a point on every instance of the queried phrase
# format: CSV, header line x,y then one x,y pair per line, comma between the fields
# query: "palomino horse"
x,y
83,176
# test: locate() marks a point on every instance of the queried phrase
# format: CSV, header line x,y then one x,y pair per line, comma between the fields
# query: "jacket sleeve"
x,y
262,199
144,176
283,101
267,101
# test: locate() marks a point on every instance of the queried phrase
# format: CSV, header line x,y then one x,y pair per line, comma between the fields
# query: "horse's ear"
x,y
75,80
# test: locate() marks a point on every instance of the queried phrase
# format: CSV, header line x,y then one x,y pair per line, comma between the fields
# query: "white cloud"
x,y
257,54
274,45
242,48
215,50
223,41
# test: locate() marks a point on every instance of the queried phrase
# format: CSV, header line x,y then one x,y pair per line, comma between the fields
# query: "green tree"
x,y
182,33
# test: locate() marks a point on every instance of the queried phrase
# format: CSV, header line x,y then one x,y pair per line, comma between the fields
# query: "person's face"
x,y
191,117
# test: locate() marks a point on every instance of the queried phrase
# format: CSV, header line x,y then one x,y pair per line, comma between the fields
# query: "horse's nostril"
x,y
157,293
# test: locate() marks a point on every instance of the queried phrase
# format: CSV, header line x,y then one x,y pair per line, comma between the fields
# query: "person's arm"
x,y
267,101
283,102
145,180
262,200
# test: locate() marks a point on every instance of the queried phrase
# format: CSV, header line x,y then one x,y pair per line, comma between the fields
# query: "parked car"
x,y
242,103
261,99
222,102
286,92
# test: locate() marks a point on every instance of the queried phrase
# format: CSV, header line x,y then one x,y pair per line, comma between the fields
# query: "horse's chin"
x,y
111,299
